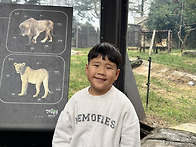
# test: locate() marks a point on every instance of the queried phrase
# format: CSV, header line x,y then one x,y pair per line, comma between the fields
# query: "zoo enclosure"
x,y
136,38
84,38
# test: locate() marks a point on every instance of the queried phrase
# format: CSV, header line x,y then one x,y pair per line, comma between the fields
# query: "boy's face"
x,y
101,75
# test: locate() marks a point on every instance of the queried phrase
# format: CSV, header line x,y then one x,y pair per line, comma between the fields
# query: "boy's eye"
x,y
96,65
109,67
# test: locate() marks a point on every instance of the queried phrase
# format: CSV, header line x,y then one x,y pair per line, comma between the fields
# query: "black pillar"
x,y
114,18
114,14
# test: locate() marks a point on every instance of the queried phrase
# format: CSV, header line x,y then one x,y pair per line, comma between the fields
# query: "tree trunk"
x,y
185,38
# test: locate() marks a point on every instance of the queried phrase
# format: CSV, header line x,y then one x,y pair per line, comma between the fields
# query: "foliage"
x,y
162,15
87,8
190,12
139,7
87,26
175,15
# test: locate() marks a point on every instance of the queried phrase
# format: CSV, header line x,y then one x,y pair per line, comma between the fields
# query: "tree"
x,y
175,15
162,15
139,7
87,9
87,27
188,20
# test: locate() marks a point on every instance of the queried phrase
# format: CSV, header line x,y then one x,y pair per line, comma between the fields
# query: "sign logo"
x,y
52,112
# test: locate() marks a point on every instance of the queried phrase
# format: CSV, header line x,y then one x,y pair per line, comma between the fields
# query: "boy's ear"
x,y
117,74
86,68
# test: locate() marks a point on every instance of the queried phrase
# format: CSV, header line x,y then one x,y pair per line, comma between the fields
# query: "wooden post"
x,y
152,42
169,41
144,47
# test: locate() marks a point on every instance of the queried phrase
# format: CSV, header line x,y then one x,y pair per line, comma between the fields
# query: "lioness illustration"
x,y
29,75
32,28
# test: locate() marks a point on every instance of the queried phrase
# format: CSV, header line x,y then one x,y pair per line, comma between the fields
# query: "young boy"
x,y
99,115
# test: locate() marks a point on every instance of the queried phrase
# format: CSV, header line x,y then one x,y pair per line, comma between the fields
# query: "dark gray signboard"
x,y
35,48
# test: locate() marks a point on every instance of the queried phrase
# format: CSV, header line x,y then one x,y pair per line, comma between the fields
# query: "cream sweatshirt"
x,y
107,120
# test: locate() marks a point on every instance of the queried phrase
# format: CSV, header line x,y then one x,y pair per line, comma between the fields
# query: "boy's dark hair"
x,y
106,49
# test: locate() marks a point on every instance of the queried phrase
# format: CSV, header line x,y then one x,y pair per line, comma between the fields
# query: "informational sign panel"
x,y
35,48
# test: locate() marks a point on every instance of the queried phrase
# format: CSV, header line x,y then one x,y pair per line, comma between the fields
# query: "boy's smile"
x,y
101,75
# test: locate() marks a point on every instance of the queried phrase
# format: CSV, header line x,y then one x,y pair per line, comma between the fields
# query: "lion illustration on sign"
x,y
29,75
33,28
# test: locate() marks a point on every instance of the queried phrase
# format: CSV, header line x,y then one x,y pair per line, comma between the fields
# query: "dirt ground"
x,y
180,79
163,72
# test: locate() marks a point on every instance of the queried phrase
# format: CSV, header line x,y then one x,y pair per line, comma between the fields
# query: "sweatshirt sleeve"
x,y
130,133
63,131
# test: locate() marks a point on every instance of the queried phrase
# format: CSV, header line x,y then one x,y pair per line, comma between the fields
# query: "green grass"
x,y
174,59
167,100
78,80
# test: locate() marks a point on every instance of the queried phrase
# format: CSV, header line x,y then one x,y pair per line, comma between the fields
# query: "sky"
x,y
96,22
131,15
